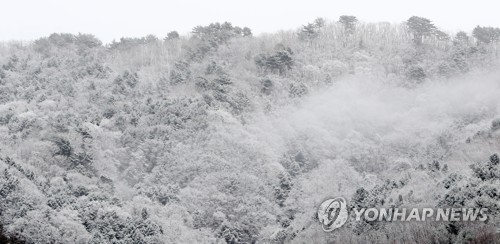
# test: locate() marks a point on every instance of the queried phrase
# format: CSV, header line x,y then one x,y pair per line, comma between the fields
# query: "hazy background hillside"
x,y
222,136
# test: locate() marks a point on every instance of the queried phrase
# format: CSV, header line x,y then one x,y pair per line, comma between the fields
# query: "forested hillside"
x,y
223,136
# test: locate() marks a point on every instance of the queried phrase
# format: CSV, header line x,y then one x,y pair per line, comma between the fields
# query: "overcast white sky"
x,y
112,19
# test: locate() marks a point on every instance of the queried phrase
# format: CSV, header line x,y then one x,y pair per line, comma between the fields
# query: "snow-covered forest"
x,y
221,136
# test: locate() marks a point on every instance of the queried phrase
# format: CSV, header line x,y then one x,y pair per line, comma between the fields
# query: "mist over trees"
x,y
222,136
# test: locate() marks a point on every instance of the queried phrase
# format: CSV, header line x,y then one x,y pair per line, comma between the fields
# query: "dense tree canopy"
x,y
420,27
486,34
349,22
222,136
